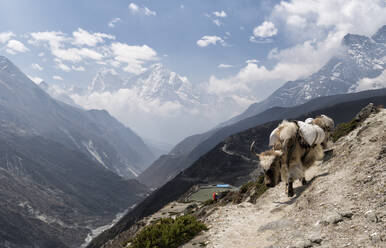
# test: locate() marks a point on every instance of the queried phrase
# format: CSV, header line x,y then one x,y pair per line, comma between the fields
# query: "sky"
x,y
242,49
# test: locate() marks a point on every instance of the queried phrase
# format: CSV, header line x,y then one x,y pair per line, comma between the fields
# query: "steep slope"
x,y
52,196
55,188
192,148
24,104
228,162
362,57
342,206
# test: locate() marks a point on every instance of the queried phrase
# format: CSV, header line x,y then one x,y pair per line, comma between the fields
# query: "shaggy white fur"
x,y
266,160
283,132
312,134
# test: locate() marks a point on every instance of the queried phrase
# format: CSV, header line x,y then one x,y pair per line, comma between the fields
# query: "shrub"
x,y
343,129
253,189
208,202
168,233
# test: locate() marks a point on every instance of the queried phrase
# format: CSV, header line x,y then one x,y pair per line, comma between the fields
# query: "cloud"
x,y
314,31
37,67
78,68
208,40
370,83
134,8
56,77
253,39
249,61
62,66
149,12
36,80
221,14
217,22
41,54
133,56
266,29
82,37
15,46
225,66
56,41
5,36
113,22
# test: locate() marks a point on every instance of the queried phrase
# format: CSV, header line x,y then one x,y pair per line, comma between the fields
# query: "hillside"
x,y
219,166
59,166
343,205
192,148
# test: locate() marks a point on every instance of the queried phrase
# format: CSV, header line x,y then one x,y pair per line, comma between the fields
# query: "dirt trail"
x,y
343,205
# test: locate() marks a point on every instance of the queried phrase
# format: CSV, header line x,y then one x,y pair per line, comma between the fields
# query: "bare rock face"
x,y
366,112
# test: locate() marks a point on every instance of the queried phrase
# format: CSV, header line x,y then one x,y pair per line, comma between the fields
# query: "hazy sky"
x,y
244,48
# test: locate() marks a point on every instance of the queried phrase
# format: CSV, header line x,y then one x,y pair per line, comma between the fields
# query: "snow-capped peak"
x,y
106,80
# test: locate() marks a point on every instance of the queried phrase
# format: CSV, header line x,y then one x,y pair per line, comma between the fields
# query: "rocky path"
x,y
343,205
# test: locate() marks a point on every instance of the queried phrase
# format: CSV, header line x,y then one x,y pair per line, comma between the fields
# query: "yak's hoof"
x,y
290,193
304,181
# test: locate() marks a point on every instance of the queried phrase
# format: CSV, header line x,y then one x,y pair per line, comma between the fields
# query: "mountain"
x,y
361,57
106,80
230,161
59,166
160,83
192,148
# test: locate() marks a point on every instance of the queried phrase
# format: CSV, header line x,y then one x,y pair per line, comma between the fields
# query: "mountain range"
x,y
61,167
355,68
361,58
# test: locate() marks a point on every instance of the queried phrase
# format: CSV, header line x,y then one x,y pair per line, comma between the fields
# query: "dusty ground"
x,y
343,205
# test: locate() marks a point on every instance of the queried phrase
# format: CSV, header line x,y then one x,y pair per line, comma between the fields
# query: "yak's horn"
x,y
252,149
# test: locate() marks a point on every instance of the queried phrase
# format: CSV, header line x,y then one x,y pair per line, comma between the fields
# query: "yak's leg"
x,y
304,181
290,188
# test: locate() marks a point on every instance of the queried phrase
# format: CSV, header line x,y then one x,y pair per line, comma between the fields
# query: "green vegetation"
x,y
253,189
343,129
168,233
208,202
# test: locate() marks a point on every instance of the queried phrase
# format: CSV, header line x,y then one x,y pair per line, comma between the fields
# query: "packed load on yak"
x,y
296,145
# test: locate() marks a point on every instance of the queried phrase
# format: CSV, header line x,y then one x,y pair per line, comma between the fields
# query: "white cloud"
x,y
315,29
266,29
56,77
78,68
82,37
5,36
371,83
224,66
41,54
36,80
62,66
217,22
37,67
133,7
208,40
221,14
113,22
253,39
314,18
250,61
149,12
56,41
15,46
144,10
133,56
